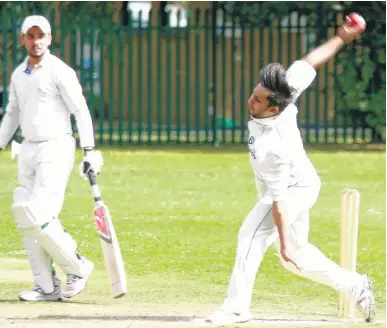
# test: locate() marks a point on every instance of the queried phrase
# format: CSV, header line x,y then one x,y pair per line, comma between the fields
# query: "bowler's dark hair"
x,y
273,78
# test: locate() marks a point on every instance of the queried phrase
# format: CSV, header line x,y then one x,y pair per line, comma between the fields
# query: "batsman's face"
x,y
259,105
36,42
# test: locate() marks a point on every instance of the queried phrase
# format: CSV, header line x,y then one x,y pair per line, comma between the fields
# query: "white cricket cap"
x,y
38,21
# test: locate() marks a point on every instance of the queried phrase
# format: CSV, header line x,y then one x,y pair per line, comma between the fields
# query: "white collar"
x,y
267,121
289,111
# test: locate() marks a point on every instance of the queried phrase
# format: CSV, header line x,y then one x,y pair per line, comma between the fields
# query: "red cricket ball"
x,y
356,19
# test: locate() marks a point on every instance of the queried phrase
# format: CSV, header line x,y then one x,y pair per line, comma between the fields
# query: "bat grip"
x,y
93,184
92,178
90,173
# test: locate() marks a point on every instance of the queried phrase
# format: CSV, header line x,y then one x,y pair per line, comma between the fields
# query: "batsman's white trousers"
x,y
43,172
259,231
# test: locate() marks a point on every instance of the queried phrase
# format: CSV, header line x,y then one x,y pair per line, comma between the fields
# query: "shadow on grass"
x,y
14,301
181,318
158,318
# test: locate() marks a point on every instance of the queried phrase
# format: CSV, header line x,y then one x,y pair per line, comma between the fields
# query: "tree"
x,y
72,12
363,62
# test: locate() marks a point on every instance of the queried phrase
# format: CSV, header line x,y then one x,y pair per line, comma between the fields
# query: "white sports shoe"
x,y
75,284
38,295
222,317
366,300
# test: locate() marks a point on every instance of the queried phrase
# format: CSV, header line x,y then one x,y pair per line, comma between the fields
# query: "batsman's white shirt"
x,y
42,100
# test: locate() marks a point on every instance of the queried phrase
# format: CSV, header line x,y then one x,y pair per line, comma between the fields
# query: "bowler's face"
x,y
36,42
259,103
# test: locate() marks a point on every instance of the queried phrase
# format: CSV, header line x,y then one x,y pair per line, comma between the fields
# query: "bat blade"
x,y
111,250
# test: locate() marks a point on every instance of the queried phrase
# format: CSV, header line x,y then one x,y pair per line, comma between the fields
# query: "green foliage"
x,y
82,12
353,68
377,105
72,13
263,13
364,98
361,84
99,12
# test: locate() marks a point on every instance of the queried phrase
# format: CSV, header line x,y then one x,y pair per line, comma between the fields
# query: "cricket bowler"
x,y
288,187
44,92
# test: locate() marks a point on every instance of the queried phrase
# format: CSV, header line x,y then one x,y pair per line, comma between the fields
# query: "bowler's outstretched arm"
x,y
345,34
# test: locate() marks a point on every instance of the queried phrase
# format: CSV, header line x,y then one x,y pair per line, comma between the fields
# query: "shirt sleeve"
x,y
71,92
10,120
276,176
300,75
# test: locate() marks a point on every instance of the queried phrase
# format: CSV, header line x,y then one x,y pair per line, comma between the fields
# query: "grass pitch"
x,y
177,214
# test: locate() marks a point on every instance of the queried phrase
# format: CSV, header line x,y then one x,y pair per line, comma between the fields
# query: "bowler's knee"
x,y
244,233
302,255
20,194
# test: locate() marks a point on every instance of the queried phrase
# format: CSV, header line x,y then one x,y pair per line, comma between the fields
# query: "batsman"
x,y
288,186
43,94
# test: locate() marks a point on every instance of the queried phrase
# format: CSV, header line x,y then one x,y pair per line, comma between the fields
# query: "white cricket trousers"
x,y
43,172
259,231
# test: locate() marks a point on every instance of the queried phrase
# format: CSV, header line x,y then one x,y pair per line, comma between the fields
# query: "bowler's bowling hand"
x,y
354,25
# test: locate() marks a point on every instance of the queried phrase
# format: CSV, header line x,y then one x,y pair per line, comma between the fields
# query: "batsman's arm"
x,y
10,120
345,34
72,95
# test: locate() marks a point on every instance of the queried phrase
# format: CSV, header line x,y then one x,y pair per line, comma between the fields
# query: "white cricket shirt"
x,y
42,100
276,150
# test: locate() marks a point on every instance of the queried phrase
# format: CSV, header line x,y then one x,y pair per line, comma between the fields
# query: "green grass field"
x,y
177,214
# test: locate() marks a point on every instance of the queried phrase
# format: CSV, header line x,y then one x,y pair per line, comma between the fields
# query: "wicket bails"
x,y
349,223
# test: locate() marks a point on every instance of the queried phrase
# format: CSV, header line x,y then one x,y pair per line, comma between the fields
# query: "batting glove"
x,y
92,161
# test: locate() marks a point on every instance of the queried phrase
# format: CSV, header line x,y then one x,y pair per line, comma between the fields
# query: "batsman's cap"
x,y
38,21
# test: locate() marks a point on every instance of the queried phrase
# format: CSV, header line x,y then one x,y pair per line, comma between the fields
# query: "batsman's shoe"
x,y
222,317
366,300
75,284
38,295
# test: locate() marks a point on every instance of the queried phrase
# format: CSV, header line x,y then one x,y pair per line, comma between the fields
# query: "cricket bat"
x,y
110,246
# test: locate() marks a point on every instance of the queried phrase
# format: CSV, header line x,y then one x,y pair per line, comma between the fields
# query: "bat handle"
x,y
92,178
94,186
